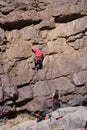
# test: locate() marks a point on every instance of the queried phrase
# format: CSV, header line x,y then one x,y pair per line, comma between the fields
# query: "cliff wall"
x,y
61,28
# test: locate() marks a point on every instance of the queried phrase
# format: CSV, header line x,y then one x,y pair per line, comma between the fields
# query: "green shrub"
x,y
53,125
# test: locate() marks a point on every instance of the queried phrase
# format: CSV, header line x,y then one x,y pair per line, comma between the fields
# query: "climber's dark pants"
x,y
56,106
38,61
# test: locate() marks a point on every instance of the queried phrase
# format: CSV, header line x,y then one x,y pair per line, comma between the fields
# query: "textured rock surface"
x,y
61,27
71,120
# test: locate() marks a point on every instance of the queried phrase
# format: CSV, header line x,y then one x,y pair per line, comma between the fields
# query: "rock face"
x,y
61,27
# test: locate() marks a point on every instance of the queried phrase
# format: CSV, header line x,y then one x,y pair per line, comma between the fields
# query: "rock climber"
x,y
56,100
38,58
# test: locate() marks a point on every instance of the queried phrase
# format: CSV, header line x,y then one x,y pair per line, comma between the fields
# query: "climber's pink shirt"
x,y
37,52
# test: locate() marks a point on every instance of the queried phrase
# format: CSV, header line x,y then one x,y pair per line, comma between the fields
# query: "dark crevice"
x,y
18,59
68,93
47,27
52,53
81,103
19,24
23,102
23,85
67,18
10,115
81,85
73,35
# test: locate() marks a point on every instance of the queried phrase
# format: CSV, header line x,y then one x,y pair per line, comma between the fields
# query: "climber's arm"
x,y
32,48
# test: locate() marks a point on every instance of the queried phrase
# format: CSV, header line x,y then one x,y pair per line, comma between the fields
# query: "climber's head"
x,y
56,91
40,47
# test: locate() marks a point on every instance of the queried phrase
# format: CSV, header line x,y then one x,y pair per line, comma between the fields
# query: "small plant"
x,y
26,116
53,125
